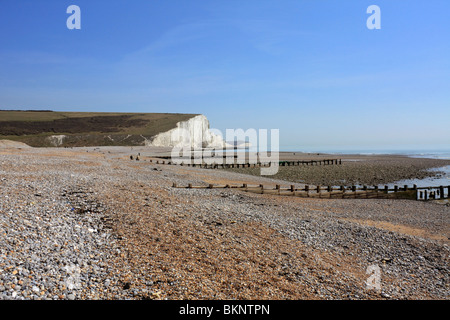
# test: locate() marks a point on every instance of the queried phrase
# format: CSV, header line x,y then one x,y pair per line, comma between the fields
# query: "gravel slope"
x,y
88,225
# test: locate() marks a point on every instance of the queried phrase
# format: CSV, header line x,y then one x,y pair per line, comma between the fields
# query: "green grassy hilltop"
x,y
69,129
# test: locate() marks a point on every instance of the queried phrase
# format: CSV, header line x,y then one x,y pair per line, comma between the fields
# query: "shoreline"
x,y
356,169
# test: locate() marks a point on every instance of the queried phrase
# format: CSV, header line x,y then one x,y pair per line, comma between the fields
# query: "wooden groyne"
x,y
341,192
322,162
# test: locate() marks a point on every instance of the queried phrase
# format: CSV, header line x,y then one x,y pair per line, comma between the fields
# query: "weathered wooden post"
x,y
174,185
441,190
210,186
353,188
292,188
425,195
395,188
386,189
329,188
406,187
190,185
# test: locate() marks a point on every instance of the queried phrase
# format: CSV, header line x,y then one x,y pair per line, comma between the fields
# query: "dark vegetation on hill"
x,y
36,128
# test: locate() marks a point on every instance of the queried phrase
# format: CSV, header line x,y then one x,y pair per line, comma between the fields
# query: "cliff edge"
x,y
194,132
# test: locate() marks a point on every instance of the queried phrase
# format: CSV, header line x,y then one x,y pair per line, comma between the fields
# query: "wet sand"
x,y
354,170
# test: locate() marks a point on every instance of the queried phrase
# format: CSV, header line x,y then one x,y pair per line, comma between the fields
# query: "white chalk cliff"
x,y
194,132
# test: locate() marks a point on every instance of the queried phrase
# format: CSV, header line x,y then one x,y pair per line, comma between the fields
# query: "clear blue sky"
x,y
309,68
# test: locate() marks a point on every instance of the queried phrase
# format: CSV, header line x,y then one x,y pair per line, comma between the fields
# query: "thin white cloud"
x,y
34,57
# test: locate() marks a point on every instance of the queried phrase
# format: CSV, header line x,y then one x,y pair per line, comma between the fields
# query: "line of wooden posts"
x,y
341,192
253,165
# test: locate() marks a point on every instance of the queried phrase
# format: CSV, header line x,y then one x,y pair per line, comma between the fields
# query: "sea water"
x,y
443,179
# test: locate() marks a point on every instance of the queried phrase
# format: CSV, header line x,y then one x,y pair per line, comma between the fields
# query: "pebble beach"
x,y
89,223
